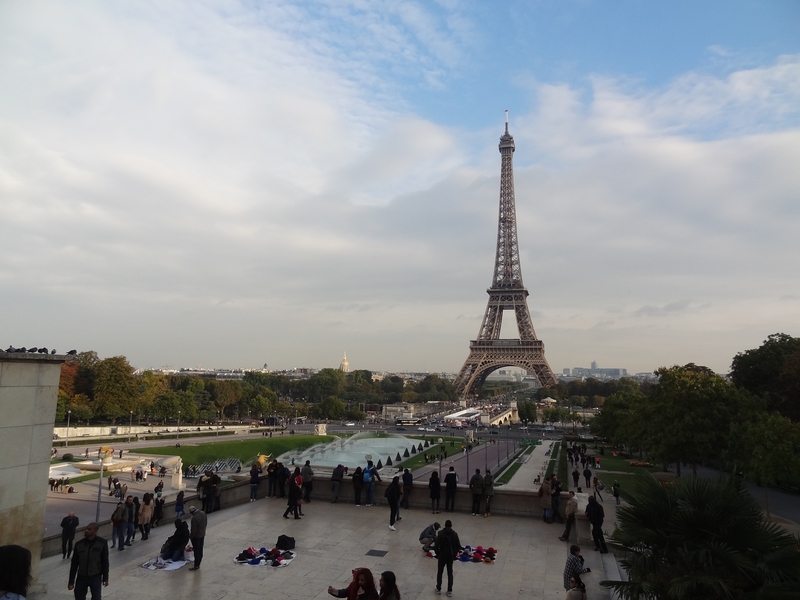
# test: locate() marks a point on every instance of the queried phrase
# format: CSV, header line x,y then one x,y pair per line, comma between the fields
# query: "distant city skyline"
x,y
234,183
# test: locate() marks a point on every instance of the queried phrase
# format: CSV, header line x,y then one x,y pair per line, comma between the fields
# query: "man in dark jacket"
x,y
447,546
255,479
587,475
308,481
68,526
596,515
556,485
272,479
451,485
408,483
476,487
89,567
336,483
205,485
197,534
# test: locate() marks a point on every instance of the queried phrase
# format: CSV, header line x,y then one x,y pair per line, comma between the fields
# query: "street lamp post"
x,y
218,419
69,414
441,454
130,427
99,492
248,421
178,437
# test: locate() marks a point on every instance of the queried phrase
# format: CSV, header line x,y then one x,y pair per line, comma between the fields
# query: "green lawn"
x,y
513,468
627,483
616,463
242,449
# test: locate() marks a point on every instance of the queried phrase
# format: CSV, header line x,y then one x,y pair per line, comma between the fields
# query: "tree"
x,y
687,417
766,447
527,411
330,408
772,371
116,389
702,538
326,383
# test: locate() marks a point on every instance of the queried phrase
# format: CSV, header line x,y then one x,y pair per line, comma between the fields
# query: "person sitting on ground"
x,y
577,589
388,584
173,547
428,536
361,588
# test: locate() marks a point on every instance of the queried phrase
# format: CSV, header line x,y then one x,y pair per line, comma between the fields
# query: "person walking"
x,y
179,504
392,495
597,486
450,488
308,483
130,529
255,478
596,515
428,536
197,535
15,576
587,475
447,546
89,567
408,483
358,483
336,483
488,492
158,509
68,526
576,477
615,491
476,487
569,512
435,488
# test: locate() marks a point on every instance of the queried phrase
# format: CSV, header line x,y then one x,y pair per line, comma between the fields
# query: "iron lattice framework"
x,y
489,352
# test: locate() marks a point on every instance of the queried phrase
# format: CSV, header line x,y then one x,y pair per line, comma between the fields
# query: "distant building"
x,y
344,366
595,372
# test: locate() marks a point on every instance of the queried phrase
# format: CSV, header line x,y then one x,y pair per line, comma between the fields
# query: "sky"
x,y
232,184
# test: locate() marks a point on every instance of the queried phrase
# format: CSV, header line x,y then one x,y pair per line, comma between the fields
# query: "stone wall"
x,y
28,395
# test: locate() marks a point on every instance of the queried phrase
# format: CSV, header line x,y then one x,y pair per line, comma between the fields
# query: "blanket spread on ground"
x,y
159,564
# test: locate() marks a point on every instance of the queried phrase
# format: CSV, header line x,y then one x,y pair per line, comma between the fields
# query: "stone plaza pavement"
x,y
333,539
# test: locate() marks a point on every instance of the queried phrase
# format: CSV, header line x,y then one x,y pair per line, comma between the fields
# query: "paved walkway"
x,y
332,540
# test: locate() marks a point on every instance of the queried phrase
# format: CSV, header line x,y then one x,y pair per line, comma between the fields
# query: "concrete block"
x,y
20,374
49,374
18,405
12,492
45,407
16,446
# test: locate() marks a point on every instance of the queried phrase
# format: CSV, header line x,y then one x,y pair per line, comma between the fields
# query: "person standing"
x,y
358,483
308,483
272,479
205,487
68,526
408,483
546,500
476,487
569,512
447,546
388,585
158,509
179,504
255,478
596,515
146,511
15,576
361,588
556,485
488,491
451,486
89,567
392,495
131,524
370,476
573,566
428,536
587,475
197,534
615,491
293,498
120,522
435,488
336,483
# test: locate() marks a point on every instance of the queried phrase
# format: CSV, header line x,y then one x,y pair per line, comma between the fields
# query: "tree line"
x,y
748,422
92,389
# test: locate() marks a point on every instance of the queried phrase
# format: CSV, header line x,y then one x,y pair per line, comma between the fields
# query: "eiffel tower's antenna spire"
x,y
506,120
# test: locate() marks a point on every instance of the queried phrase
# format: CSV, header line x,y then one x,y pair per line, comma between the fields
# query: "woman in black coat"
x,y
436,490
392,495
293,497
358,483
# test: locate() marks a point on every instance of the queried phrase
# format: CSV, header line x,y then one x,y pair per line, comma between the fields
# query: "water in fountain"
x,y
351,451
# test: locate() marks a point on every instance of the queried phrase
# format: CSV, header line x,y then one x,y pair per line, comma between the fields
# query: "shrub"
x,y
68,456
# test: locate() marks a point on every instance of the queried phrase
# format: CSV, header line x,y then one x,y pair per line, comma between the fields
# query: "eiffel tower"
x,y
489,352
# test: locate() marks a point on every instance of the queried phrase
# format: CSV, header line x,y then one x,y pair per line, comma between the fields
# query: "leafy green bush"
x,y
68,456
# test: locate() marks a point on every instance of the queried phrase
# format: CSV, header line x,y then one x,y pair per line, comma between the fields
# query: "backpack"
x,y
285,542
601,486
367,475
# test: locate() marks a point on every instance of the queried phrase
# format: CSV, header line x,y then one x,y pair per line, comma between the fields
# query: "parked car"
x,y
400,428
351,424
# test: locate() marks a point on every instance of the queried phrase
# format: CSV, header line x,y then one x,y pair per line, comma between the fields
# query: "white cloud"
x,y
210,183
